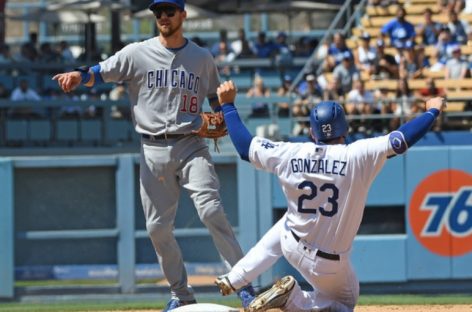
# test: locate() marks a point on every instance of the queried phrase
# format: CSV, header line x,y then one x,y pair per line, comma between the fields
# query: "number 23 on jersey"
x,y
313,192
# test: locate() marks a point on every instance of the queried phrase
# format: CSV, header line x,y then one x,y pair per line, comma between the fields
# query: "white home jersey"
x,y
325,185
166,87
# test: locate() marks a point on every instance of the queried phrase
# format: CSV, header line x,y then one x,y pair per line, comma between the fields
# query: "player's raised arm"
x,y
239,134
88,76
410,132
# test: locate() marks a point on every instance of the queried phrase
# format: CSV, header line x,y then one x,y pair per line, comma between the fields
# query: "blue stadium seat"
x,y
7,82
243,80
17,130
90,130
40,130
48,84
68,130
272,80
118,131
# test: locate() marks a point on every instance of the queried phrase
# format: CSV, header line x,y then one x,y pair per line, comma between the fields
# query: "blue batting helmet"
x,y
328,121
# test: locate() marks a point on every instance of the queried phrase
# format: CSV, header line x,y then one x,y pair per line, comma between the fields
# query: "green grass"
x,y
234,302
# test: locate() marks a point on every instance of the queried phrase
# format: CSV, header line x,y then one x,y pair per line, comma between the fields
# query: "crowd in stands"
x,y
399,53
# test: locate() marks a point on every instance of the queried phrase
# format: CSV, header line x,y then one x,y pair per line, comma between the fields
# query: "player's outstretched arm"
x,y
239,134
85,75
410,132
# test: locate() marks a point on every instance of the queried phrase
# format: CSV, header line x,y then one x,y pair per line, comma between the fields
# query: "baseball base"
x,y
205,307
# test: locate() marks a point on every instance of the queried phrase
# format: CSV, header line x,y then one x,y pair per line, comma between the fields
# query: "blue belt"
x,y
319,253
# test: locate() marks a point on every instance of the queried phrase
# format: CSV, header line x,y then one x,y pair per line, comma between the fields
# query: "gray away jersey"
x,y
166,87
325,185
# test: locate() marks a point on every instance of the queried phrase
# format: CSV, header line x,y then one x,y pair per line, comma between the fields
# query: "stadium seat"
x,y
118,131
40,130
67,130
17,130
243,80
90,130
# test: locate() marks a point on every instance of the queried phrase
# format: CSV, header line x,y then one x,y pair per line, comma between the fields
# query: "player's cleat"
x,y
174,303
275,297
224,285
247,295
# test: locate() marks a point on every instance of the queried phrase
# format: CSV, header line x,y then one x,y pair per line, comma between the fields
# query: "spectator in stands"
x,y
399,29
430,90
283,57
364,56
309,92
223,55
241,47
410,65
403,105
451,5
445,41
260,107
429,29
264,48
345,73
459,28
322,52
4,93
24,93
305,46
216,47
47,54
385,65
27,54
5,54
438,64
284,107
118,93
65,52
336,52
456,67
359,100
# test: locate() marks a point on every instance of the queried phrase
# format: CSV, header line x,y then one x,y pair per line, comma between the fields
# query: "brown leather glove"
x,y
213,125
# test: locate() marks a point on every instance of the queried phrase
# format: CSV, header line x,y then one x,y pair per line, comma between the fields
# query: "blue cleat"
x,y
174,303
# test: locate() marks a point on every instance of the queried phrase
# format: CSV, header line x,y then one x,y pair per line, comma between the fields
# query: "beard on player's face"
x,y
170,29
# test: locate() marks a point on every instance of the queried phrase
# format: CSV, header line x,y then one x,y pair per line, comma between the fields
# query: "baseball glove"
x,y
213,126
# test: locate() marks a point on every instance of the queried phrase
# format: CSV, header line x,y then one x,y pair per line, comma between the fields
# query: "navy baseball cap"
x,y
178,3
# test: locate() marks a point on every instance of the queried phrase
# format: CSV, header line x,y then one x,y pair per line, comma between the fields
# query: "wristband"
x,y
84,73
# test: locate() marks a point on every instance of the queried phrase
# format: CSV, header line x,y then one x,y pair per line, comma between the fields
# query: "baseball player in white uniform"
x,y
168,78
326,184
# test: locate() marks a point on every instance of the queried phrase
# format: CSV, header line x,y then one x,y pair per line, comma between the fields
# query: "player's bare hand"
x,y
437,102
226,92
68,81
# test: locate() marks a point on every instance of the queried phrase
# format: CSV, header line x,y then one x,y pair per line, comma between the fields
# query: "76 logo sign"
x,y
440,213
452,212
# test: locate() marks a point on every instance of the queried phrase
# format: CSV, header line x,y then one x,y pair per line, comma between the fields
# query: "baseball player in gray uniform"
x,y
325,183
168,78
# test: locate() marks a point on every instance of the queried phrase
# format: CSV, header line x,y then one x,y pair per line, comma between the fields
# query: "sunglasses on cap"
x,y
168,10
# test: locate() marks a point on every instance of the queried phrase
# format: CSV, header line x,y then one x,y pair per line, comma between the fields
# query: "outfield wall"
x,y
75,216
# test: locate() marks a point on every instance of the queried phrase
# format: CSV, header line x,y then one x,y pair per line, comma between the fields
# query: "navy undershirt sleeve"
x,y
410,133
418,127
238,132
